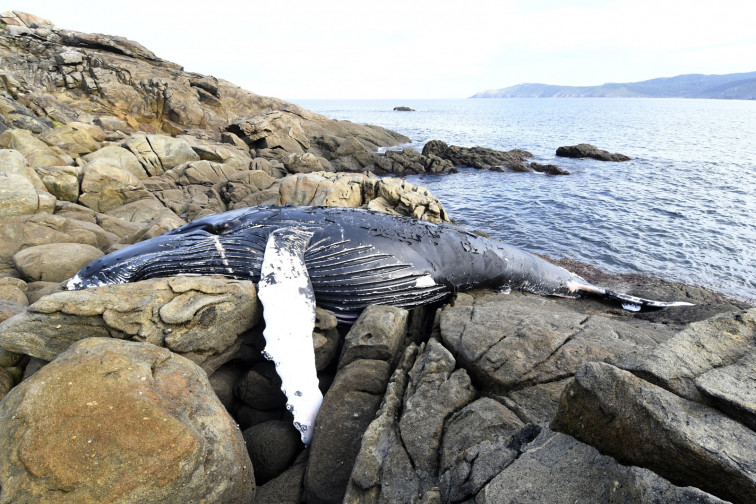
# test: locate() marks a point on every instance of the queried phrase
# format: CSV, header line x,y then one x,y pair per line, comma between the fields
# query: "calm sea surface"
x,y
683,209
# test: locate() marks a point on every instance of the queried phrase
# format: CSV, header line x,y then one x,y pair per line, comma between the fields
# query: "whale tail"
x,y
631,303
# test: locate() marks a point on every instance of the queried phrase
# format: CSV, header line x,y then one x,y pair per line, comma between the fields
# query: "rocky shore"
x,y
157,391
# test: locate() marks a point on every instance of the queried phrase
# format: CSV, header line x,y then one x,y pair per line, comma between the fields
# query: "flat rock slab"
x,y
557,468
511,341
641,424
733,388
701,347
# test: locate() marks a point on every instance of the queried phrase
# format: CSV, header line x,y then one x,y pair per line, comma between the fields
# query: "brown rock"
x,y
200,317
112,421
54,262
105,186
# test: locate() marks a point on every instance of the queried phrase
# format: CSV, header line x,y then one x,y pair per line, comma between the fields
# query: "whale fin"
x,y
631,303
288,303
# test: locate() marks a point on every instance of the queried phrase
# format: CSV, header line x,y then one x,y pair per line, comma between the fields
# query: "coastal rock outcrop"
x,y
490,397
589,151
488,159
388,195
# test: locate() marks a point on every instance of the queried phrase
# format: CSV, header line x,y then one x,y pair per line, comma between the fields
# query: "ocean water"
x,y
683,209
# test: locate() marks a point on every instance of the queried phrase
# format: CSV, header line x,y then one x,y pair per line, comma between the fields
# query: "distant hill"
x,y
738,86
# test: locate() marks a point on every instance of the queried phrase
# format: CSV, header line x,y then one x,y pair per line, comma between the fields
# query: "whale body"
x,y
341,259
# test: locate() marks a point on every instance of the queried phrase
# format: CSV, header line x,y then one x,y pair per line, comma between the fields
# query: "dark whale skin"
x,y
354,258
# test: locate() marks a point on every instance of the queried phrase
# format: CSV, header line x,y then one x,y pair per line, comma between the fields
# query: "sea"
x,y
683,209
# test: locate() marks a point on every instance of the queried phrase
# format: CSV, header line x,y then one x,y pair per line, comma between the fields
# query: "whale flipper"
x,y
288,302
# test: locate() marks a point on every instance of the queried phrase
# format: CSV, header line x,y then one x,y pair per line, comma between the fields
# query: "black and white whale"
x,y
343,260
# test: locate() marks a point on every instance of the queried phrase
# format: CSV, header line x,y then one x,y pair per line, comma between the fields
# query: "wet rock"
x,y
199,317
54,262
284,489
223,381
247,416
548,169
641,424
589,151
409,161
558,468
478,157
59,428
272,446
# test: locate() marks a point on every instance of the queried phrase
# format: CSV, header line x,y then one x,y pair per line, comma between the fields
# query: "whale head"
x,y
207,246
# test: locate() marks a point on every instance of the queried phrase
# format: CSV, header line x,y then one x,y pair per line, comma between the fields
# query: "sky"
x,y
347,49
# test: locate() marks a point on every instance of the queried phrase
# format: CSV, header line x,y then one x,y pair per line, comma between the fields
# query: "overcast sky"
x,y
297,49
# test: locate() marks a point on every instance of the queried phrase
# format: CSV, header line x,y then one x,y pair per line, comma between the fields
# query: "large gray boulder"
x,y
701,347
642,424
558,469
111,421
524,347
